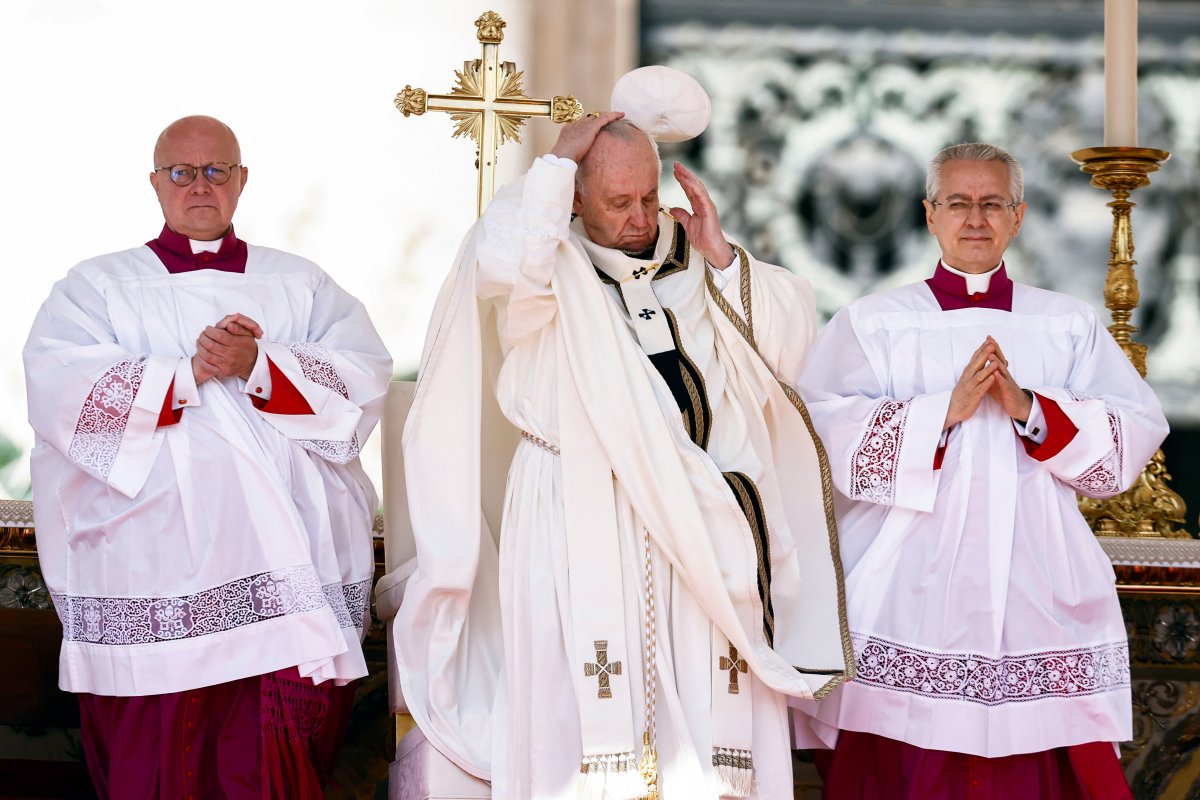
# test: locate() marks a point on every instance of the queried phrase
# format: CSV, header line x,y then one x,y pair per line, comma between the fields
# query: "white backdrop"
x,y
336,173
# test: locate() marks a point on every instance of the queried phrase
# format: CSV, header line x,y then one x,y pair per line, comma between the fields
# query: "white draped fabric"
x,y
235,542
525,336
983,610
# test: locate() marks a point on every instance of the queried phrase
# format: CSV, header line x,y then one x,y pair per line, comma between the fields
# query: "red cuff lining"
x,y
285,397
1059,432
167,415
938,455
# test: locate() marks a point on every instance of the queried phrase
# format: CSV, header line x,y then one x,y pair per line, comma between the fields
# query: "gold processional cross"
x,y
488,103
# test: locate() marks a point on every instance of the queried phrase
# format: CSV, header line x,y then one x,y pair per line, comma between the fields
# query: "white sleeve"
x,y
881,449
1104,425
91,399
327,391
522,229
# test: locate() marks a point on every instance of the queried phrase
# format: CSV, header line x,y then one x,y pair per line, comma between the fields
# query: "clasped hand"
x,y
227,349
986,375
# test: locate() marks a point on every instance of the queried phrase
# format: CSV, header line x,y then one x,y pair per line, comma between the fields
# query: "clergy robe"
x,y
983,611
195,536
534,368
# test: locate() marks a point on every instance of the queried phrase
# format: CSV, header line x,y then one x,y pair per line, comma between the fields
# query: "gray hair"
x,y
626,131
974,151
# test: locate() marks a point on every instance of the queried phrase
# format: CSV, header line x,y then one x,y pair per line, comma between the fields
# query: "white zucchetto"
x,y
669,105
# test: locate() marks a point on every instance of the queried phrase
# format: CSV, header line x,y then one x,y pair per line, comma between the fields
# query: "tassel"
x,y
612,776
734,772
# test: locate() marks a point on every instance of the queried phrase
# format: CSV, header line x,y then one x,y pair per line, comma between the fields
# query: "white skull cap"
x,y
669,105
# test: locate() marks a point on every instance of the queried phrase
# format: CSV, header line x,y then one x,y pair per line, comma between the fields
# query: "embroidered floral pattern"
x,y
349,602
105,413
992,681
1103,479
876,462
142,620
317,367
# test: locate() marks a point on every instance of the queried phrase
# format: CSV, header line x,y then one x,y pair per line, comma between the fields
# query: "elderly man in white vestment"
x,y
961,416
662,573
203,522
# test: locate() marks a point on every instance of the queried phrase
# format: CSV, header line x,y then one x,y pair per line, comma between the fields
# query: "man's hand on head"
x,y
576,138
702,225
1005,391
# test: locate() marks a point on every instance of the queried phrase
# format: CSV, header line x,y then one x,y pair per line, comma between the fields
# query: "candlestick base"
x,y
1150,508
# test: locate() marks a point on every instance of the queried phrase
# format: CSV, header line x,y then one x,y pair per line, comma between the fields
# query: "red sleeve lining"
x,y
1059,432
285,397
167,415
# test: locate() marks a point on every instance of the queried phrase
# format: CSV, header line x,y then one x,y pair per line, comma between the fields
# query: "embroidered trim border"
x,y
104,415
992,681
348,602
875,463
317,366
245,601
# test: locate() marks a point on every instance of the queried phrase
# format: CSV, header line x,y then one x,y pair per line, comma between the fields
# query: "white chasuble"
x,y
983,611
236,541
537,386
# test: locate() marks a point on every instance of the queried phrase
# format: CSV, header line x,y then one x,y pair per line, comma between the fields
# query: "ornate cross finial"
x,y
488,103
602,669
734,665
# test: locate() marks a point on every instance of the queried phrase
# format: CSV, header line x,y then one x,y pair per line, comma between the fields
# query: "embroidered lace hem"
x,y
992,681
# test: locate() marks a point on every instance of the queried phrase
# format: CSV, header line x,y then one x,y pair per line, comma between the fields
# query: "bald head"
x,y
187,128
200,209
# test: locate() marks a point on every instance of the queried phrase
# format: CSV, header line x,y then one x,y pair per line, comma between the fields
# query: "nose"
x,y
639,217
975,215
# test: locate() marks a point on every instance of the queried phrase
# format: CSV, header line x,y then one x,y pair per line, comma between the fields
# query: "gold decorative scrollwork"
x,y
565,109
411,101
490,28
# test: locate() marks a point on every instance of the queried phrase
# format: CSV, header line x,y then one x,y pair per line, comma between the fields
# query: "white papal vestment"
x,y
235,542
983,610
535,380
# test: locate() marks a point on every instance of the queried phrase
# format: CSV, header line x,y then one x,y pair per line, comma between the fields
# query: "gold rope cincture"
x,y
649,763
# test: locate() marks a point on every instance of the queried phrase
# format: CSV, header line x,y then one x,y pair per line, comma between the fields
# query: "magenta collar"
x,y
950,291
175,252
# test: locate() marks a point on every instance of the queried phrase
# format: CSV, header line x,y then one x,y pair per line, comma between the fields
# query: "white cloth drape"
x,y
484,630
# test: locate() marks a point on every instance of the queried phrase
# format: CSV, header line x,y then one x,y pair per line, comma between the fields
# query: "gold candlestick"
x,y
1149,508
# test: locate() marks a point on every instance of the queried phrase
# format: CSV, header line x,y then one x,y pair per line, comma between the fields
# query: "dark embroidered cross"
x,y
734,665
647,313
602,669
639,272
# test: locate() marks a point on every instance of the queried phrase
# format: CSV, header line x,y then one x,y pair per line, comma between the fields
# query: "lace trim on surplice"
x,y
991,681
349,602
317,367
1102,478
144,620
104,416
875,463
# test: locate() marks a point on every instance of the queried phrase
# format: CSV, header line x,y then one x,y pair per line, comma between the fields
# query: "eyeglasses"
x,y
960,209
184,174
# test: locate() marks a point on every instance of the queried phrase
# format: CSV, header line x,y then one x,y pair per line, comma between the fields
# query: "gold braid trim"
x,y
746,329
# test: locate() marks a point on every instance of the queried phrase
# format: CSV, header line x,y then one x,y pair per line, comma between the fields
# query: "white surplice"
x,y
983,610
234,542
525,332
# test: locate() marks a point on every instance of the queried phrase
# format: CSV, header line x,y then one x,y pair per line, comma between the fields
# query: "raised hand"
x,y
974,384
702,225
576,138
1005,391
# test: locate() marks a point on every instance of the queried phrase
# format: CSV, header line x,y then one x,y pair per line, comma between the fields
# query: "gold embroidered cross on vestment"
x,y
734,665
602,669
